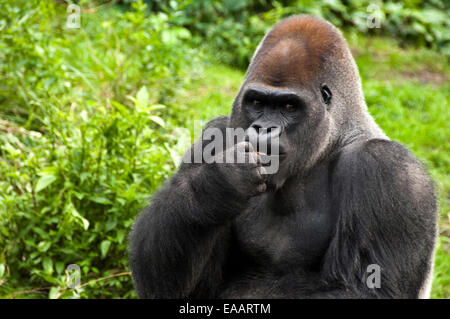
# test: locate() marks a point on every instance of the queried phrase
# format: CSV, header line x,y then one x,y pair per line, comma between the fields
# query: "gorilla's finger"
x,y
244,147
257,158
253,158
262,188
262,172
248,147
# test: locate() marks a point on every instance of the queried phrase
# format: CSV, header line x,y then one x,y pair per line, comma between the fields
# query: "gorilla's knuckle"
x,y
262,172
253,158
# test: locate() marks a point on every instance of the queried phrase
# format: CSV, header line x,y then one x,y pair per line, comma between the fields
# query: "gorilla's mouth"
x,y
272,164
266,159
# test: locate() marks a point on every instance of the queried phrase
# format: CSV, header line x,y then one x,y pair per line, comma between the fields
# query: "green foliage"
x,y
90,149
70,196
233,28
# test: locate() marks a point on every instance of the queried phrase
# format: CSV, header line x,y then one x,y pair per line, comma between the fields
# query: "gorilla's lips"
x,y
271,163
267,158
272,167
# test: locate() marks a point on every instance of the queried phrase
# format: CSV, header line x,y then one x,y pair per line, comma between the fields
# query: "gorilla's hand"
x,y
240,167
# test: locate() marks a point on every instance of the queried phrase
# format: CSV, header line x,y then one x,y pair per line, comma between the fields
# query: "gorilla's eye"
x,y
326,94
288,107
256,102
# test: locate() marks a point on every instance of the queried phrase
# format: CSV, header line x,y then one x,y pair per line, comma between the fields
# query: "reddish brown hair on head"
x,y
294,51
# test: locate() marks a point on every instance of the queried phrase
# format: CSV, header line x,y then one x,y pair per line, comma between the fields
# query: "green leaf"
x,y
142,98
70,208
47,264
99,200
120,107
104,247
54,293
131,98
43,246
59,266
169,37
157,120
156,107
44,181
2,270
120,235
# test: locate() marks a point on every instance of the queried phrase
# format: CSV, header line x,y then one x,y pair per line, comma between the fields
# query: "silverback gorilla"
x,y
345,197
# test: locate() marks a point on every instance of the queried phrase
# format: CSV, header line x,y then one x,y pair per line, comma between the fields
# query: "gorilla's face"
x,y
295,115
288,90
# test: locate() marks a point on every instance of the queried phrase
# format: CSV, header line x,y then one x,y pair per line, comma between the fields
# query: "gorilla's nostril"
x,y
257,127
251,136
274,131
264,138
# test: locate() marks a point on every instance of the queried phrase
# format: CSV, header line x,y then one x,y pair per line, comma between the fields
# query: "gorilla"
x,y
345,204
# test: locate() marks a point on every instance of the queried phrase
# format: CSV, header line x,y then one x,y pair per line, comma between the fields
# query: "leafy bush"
x,y
234,27
81,148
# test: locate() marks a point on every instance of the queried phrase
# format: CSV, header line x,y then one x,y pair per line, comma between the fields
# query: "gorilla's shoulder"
x,y
220,122
381,168
380,152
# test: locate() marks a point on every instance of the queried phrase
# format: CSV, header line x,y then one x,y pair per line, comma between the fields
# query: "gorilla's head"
x,y
303,85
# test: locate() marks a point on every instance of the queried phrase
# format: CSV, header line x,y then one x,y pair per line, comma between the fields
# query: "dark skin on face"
x,y
281,112
272,113
278,109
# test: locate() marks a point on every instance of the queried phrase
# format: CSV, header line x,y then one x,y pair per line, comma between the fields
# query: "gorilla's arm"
x,y
386,217
179,242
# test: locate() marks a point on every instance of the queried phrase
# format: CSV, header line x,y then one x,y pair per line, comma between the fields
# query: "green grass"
x,y
407,92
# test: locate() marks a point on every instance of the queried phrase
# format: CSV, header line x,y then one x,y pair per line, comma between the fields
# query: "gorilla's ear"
x,y
326,94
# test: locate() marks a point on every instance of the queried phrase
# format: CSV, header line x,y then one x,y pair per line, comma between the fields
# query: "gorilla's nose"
x,y
273,130
265,138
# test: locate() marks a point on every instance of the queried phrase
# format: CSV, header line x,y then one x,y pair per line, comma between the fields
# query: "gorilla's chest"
x,y
288,230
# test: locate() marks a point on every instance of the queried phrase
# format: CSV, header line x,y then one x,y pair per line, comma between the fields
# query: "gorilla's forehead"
x,y
293,53
287,63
